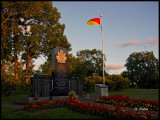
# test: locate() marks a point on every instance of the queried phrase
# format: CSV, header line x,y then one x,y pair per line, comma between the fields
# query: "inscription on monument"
x,y
60,71
41,85
61,57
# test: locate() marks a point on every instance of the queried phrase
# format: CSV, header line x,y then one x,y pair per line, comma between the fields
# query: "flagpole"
x,y
102,50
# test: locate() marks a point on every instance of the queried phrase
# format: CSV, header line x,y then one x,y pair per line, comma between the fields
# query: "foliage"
x,y
36,96
126,102
46,68
78,106
115,82
90,81
72,64
29,29
143,69
84,94
88,63
72,94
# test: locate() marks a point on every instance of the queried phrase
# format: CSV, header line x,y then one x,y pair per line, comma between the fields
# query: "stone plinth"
x,y
101,90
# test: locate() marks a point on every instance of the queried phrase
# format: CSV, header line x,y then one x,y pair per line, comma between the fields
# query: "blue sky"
x,y
127,27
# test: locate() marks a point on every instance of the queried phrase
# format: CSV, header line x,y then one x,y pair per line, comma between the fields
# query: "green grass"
x,y
59,113
13,98
19,96
65,113
148,94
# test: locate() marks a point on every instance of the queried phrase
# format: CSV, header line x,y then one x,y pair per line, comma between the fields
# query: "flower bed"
x,y
88,109
126,102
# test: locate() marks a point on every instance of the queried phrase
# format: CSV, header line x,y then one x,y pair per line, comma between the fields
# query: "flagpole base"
x,y
101,90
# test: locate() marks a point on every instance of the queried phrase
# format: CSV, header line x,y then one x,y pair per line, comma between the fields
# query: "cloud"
x,y
113,67
153,41
132,43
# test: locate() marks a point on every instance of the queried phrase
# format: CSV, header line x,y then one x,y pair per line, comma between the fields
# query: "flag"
x,y
94,21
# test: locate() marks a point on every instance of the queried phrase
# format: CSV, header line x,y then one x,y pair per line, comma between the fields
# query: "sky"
x,y
128,27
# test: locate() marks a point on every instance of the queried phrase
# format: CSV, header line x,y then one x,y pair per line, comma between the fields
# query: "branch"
x,y
6,18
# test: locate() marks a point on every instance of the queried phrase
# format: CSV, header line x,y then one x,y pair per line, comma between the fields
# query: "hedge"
x,y
115,82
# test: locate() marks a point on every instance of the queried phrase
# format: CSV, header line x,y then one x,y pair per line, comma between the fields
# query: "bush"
x,y
110,83
90,81
118,82
115,82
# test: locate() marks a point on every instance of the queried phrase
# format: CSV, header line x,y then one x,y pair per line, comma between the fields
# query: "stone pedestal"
x,y
101,90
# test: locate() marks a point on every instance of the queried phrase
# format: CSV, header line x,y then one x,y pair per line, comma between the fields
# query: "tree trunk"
x,y
16,64
27,66
3,68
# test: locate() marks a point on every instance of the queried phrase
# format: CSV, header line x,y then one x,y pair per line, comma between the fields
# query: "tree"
x,y
90,63
72,63
12,13
45,33
142,68
53,32
46,68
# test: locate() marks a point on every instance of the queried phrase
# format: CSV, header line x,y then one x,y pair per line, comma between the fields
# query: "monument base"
x,y
60,93
101,90
32,99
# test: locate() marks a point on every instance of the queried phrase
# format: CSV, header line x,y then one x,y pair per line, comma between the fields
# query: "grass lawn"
x,y
65,113
148,94
58,113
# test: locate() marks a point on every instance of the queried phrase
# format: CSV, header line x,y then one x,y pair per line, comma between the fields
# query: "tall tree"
x,y
53,31
10,20
72,64
142,68
45,31
90,62
46,68
12,13
95,57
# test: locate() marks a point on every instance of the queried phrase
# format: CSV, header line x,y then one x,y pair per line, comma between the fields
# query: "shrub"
x,y
90,81
118,82
72,94
115,82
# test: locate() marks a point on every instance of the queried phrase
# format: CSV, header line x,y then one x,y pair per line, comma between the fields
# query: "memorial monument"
x,y
60,71
59,84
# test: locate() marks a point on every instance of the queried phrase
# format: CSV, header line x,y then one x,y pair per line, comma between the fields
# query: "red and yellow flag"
x,y
94,21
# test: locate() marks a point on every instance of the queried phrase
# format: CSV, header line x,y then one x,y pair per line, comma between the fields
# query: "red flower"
x,y
84,93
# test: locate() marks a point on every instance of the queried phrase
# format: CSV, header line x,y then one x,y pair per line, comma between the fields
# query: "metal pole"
x,y
102,50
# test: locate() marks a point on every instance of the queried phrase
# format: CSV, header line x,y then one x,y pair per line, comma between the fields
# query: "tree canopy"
x,y
29,29
87,63
143,69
